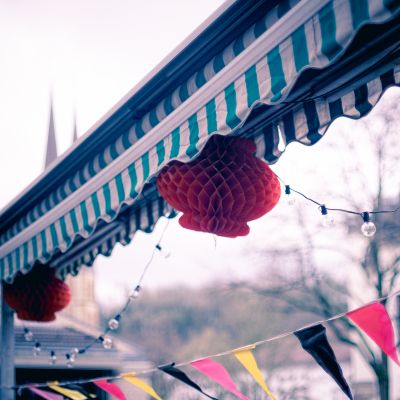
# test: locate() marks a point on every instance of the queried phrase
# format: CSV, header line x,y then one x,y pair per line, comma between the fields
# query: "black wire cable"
x,y
323,208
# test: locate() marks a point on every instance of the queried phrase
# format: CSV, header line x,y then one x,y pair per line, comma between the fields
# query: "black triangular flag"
x,y
170,369
314,341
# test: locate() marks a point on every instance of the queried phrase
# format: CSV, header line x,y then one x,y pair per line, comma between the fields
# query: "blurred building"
x,y
77,326
61,336
83,304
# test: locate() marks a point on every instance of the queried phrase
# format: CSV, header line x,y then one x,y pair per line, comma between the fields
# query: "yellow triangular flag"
x,y
249,362
72,394
141,384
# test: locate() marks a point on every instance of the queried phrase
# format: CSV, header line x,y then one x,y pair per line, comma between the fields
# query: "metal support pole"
x,y
7,368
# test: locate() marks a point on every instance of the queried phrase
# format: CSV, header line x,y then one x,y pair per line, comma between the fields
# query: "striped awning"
x,y
262,67
151,119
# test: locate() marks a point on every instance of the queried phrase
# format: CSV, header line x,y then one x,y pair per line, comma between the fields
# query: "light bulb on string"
x,y
75,351
53,357
36,349
135,293
107,342
163,251
368,228
28,335
290,199
73,354
327,219
113,323
70,360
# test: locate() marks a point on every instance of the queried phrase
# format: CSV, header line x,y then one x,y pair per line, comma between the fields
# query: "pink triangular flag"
x,y
110,388
374,320
219,374
45,395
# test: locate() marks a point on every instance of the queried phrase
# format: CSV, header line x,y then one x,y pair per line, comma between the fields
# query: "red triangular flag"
x,y
219,374
110,388
374,320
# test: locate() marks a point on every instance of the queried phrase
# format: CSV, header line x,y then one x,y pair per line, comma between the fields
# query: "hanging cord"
x,y
216,355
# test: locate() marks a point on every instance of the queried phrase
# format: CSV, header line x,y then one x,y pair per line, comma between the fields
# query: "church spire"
x,y
51,151
75,130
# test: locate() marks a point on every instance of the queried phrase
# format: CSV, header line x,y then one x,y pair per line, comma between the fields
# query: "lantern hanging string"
x,y
283,335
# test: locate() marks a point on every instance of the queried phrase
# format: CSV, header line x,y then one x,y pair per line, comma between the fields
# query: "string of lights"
x,y
216,355
113,323
368,228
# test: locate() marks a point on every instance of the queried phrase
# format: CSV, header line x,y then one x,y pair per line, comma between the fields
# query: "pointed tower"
x,y
75,130
51,151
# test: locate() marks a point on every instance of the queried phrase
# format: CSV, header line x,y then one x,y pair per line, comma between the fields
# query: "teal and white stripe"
x,y
267,81
152,119
143,218
301,43
303,124
308,122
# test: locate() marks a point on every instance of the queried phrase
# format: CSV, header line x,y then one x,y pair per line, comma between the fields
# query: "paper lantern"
x,y
222,189
37,295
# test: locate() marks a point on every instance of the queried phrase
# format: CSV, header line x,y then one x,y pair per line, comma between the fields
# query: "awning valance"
x,y
306,124
312,35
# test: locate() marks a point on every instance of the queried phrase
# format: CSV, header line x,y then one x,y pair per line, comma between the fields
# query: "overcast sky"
x,y
89,54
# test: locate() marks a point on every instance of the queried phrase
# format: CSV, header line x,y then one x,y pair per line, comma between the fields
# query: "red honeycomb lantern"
x,y
37,295
223,189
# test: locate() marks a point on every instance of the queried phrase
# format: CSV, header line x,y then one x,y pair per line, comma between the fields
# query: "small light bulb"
x,y
28,335
135,293
53,358
163,251
290,199
107,343
166,253
113,324
75,351
328,220
368,229
37,349
70,361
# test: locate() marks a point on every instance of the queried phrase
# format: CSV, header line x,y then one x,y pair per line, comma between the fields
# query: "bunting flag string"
x,y
371,318
131,378
314,341
170,369
247,359
374,320
111,388
219,374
